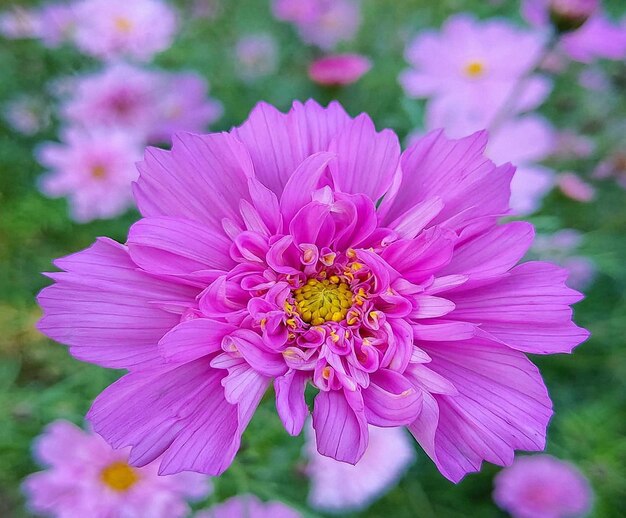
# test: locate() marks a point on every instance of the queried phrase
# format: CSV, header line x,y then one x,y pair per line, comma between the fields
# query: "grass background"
x,y
40,382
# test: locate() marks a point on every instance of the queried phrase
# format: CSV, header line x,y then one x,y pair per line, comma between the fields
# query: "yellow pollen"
x,y
474,69
320,301
98,172
326,372
123,24
119,476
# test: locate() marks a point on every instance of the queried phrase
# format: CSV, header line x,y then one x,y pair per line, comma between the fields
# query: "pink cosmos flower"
x,y
473,67
152,104
542,487
248,506
339,69
305,248
598,38
94,169
84,477
27,115
56,23
256,55
337,486
324,23
111,29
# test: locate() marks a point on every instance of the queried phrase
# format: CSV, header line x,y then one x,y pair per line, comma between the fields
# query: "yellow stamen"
x,y
98,172
474,69
123,24
323,300
326,372
119,476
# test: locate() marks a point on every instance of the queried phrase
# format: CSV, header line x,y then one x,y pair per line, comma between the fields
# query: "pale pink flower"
x,y
570,144
474,67
248,506
323,23
93,169
337,486
26,115
613,167
85,477
56,23
542,487
256,55
339,69
152,104
574,187
111,29
18,23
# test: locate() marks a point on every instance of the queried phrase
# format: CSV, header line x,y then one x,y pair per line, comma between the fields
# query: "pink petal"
x,y
202,179
290,402
177,246
367,161
527,310
194,339
107,311
391,399
502,405
340,425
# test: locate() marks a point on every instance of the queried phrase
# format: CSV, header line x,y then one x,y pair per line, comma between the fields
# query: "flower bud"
x,y
569,15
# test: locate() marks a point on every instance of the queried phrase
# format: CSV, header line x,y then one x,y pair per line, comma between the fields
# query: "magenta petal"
x,y
415,219
367,161
201,179
290,402
340,425
301,184
527,310
259,356
107,311
391,399
194,339
177,246
181,412
502,405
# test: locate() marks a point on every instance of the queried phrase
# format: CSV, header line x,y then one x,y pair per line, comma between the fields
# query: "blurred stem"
x,y
419,501
505,111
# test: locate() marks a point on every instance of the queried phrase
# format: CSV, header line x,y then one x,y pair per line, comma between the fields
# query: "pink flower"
x,y
568,15
542,487
473,67
306,248
324,23
339,69
84,477
257,56
152,104
248,506
56,23
337,486
110,29
94,169
18,23
26,115
575,187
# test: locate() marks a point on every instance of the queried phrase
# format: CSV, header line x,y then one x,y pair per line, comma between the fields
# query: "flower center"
x,y
123,24
320,301
475,69
119,476
98,172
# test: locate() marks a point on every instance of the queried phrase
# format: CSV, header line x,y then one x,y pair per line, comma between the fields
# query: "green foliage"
x,y
40,382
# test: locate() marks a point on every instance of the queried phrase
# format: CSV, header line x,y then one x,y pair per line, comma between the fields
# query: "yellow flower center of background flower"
x,y
475,69
123,24
98,172
321,301
119,476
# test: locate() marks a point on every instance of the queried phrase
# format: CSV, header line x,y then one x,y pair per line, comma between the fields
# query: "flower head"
x,y
339,69
305,248
473,67
110,29
248,506
151,104
257,55
323,23
542,487
84,477
94,169
337,486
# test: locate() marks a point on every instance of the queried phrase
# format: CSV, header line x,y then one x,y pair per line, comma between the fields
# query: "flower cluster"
x,y
306,249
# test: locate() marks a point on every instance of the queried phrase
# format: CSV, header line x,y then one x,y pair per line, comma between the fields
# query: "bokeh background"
x,y
40,382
